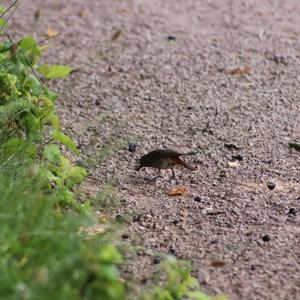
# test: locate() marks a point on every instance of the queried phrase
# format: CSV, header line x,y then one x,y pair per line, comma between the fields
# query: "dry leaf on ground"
x,y
177,191
83,13
37,14
116,35
51,32
240,71
218,263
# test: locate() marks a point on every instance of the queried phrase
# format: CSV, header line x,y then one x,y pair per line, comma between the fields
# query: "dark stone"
x,y
238,157
156,260
171,38
197,199
172,251
125,236
132,146
119,218
271,185
266,238
293,211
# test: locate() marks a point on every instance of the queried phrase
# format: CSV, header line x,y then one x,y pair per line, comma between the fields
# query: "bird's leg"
x,y
153,179
173,175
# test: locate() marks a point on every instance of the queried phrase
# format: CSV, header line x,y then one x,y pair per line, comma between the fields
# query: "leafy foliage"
x,y
27,116
179,284
44,254
56,71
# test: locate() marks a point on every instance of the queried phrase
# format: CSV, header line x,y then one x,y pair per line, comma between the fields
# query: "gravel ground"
x,y
219,77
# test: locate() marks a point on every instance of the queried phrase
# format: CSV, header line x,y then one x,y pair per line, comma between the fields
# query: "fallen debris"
x,y
177,191
240,71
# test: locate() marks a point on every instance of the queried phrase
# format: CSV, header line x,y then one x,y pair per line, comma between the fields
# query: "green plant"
x,y
45,252
178,284
29,126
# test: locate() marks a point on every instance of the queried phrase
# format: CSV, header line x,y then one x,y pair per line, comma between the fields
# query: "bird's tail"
x,y
183,163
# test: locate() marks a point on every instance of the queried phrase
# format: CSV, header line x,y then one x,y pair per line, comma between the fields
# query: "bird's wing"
x,y
163,153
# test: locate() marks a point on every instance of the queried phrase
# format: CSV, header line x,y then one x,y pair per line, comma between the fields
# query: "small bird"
x,y
164,159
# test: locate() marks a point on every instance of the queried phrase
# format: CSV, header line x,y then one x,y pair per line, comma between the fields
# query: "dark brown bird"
x,y
164,159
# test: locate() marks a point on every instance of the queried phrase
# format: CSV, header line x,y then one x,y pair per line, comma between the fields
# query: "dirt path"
x,y
158,72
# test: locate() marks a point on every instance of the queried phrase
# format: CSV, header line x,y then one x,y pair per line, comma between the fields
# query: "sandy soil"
x,y
162,73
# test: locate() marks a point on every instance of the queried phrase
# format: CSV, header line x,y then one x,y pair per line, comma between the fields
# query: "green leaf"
x,y
13,145
30,47
52,152
75,175
8,87
27,42
197,295
16,145
2,21
110,254
54,71
33,86
54,120
65,140
51,95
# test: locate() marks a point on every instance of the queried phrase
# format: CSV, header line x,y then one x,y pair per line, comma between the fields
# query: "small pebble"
x,y
156,260
207,211
171,38
266,238
119,218
271,185
125,236
175,222
172,251
197,199
238,157
293,211
132,146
